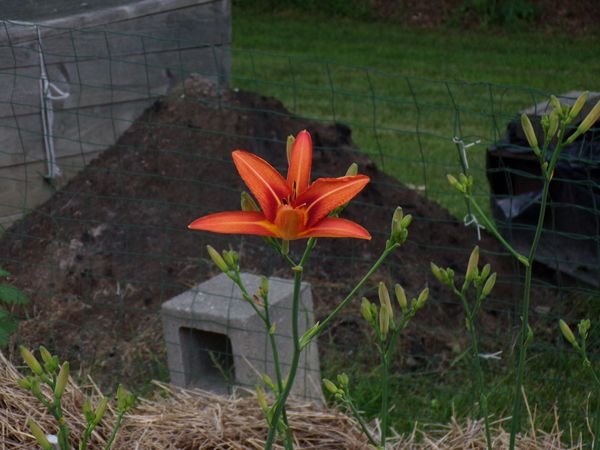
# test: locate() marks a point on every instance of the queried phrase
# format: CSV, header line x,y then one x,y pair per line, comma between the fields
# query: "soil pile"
x,y
104,252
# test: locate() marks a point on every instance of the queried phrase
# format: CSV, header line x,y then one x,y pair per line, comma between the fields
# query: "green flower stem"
x,y
483,409
517,400
361,422
283,395
267,321
385,362
386,252
113,435
492,229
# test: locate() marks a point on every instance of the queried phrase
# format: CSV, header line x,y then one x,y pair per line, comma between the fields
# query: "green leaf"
x,y
7,326
4,273
10,294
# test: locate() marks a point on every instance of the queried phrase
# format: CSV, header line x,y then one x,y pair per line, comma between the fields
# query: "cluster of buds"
x,y
583,328
56,376
382,318
339,390
482,280
227,261
400,224
463,184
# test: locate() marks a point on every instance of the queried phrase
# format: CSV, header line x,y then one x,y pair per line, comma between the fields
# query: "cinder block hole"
x,y
207,360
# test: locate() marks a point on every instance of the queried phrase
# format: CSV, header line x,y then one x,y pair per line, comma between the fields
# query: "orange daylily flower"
x,y
291,208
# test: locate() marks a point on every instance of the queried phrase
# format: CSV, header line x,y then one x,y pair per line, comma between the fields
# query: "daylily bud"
x,y
488,286
125,399
50,362
268,382
25,383
423,296
485,271
30,360
217,259
247,203
100,410
352,170
553,122
343,380
366,311
589,120
39,435
401,297
384,321
273,329
231,258
584,328
384,296
438,273
264,287
330,386
288,147
35,387
529,132
454,183
555,104
472,265
567,333
261,397
529,335
309,334
61,380
577,106
406,221
88,413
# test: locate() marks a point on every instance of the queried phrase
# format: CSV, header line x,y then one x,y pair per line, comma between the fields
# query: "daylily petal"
x,y
298,176
333,227
326,194
235,222
265,183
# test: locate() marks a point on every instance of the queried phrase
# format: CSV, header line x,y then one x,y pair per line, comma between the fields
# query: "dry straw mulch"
x,y
191,419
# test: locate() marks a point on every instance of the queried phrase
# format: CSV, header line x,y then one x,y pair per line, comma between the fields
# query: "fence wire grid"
x,y
131,141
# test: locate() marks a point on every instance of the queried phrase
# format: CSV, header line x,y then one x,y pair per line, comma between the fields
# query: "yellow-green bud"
x,y
485,271
352,170
273,329
88,413
401,297
217,258
288,147
264,287
30,360
61,380
454,183
50,362
384,296
268,382
231,258
384,321
423,296
25,383
488,286
100,410
529,132
439,274
366,311
555,104
261,397
553,122
567,333
343,380
472,270
125,399
330,386
584,327
35,387
39,435
578,105
247,203
589,120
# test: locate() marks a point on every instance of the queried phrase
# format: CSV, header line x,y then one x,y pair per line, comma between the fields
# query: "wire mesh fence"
x,y
96,196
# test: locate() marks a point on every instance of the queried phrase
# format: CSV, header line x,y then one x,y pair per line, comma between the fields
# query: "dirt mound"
x,y
103,253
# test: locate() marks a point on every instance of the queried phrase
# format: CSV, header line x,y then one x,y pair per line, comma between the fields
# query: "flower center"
x,y
290,221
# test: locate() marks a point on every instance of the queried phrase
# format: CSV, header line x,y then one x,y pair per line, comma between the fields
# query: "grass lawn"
x,y
407,93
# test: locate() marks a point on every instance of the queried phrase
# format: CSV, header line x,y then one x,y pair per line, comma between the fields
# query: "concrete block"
x,y
216,341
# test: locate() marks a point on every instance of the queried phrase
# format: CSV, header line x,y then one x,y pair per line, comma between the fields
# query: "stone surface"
x,y
215,339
